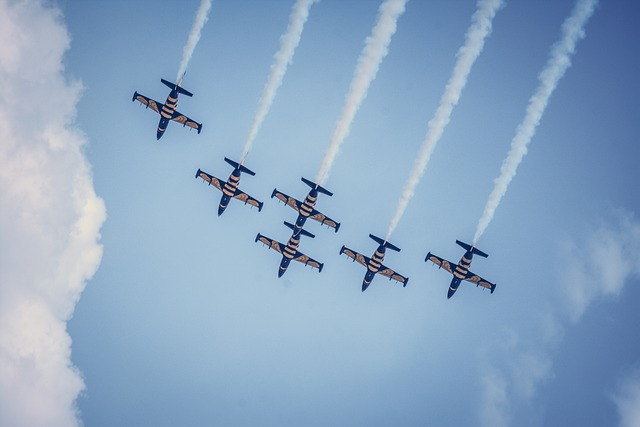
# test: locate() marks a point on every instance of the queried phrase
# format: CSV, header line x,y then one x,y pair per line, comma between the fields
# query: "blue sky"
x,y
185,321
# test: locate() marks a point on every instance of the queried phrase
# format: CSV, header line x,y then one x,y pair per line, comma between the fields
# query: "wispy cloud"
x,y
601,263
51,217
288,44
495,407
627,399
594,266
474,42
194,36
375,49
558,63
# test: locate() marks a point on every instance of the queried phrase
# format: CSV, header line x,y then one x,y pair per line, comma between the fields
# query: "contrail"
x,y
288,43
474,42
194,37
559,62
376,48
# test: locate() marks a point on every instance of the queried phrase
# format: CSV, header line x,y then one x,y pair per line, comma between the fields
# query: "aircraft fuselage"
x,y
460,272
306,208
288,253
166,112
373,266
229,189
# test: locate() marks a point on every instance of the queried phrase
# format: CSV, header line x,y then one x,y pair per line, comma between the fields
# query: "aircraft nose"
x,y
281,272
365,285
221,209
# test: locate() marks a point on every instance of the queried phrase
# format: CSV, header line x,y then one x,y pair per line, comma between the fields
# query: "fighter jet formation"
x,y
305,209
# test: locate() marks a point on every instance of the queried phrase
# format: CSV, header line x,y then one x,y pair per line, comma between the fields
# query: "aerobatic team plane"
x,y
167,110
461,271
374,264
306,209
290,250
230,187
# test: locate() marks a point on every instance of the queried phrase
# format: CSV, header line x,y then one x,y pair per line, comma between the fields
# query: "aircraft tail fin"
x,y
242,168
317,187
302,231
470,248
385,243
174,86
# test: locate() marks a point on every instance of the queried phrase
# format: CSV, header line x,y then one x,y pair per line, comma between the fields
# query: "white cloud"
x,y
51,216
509,384
496,407
592,267
601,263
627,399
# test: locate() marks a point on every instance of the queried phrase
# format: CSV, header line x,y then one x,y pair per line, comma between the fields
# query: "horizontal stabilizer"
x,y
317,187
241,167
473,250
302,231
174,86
385,243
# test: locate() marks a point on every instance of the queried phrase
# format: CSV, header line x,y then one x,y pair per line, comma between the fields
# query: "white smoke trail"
x,y
559,62
474,42
376,48
194,37
288,43
50,221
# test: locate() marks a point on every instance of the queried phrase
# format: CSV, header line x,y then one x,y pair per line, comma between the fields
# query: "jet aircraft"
x,y
374,264
290,250
230,187
167,110
461,270
306,209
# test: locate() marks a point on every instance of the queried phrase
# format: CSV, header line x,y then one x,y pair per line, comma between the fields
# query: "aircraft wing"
x,y
148,102
356,256
387,272
212,180
479,281
300,257
440,262
324,220
287,200
244,197
273,244
186,121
